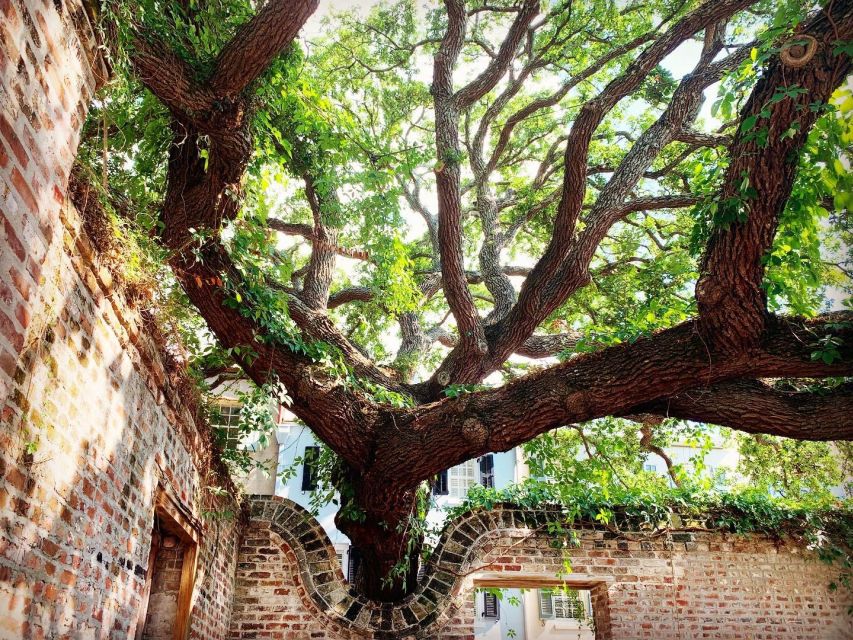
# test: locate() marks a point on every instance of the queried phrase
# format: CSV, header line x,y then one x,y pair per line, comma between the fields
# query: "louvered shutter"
x,y
487,470
491,608
309,468
353,564
546,605
462,477
567,604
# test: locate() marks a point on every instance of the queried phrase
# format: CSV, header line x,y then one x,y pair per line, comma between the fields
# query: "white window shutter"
x,y
546,605
461,478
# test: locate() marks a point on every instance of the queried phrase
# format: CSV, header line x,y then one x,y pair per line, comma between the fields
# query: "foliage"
x,y
355,114
344,139
824,524
255,425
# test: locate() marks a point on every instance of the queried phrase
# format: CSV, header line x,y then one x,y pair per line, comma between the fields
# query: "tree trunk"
x,y
378,521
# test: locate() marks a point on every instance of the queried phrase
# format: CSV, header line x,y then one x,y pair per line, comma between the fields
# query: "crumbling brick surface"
x,y
88,429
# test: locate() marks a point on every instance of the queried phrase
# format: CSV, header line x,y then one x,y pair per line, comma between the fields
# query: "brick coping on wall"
x,y
431,604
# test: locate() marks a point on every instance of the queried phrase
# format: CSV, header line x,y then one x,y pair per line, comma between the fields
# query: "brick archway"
x,y
680,585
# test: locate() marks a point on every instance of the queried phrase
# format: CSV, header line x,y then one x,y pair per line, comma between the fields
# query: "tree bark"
x,y
732,304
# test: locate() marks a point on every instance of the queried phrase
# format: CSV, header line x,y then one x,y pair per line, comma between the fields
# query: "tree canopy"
x,y
442,231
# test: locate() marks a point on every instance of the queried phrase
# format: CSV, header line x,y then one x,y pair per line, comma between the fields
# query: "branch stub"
x,y
475,432
798,52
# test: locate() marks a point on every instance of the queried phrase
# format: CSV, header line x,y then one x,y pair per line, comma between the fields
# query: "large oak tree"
x,y
552,161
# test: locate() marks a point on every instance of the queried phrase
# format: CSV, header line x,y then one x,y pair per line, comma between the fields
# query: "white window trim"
x,y
227,419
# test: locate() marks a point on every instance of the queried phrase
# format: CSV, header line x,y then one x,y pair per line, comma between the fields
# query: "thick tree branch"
x,y
536,346
447,175
563,269
257,43
618,380
324,402
551,100
594,111
756,407
169,78
732,302
321,264
350,294
496,69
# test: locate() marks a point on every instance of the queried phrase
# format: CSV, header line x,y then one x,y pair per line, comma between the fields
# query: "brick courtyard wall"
x,y
49,72
92,425
682,585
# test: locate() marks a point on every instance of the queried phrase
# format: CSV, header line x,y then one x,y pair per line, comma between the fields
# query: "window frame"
x,y
466,473
555,598
487,470
229,409
440,486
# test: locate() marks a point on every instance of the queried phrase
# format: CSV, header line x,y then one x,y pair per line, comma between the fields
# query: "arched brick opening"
x,y
681,584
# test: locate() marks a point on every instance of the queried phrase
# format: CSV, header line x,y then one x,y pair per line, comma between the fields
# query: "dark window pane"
x,y
491,608
487,470
440,487
309,468
353,564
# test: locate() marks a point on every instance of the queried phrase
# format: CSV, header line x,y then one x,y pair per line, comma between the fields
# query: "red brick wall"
x,y
48,74
269,601
684,585
162,611
693,585
89,421
90,428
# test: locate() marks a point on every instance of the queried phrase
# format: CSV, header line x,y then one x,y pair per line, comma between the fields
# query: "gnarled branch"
x,y
754,406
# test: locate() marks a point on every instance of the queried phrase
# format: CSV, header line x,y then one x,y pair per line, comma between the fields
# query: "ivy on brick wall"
x,y
823,524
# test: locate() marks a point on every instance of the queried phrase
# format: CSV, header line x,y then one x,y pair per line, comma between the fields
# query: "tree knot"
x,y
475,432
799,51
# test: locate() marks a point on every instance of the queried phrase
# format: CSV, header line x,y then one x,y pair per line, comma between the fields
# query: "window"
x,y
491,607
226,420
439,487
461,478
353,565
560,604
651,467
309,468
487,471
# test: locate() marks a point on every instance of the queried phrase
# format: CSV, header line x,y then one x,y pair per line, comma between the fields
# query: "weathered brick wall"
x,y
91,422
90,429
49,72
163,602
683,585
